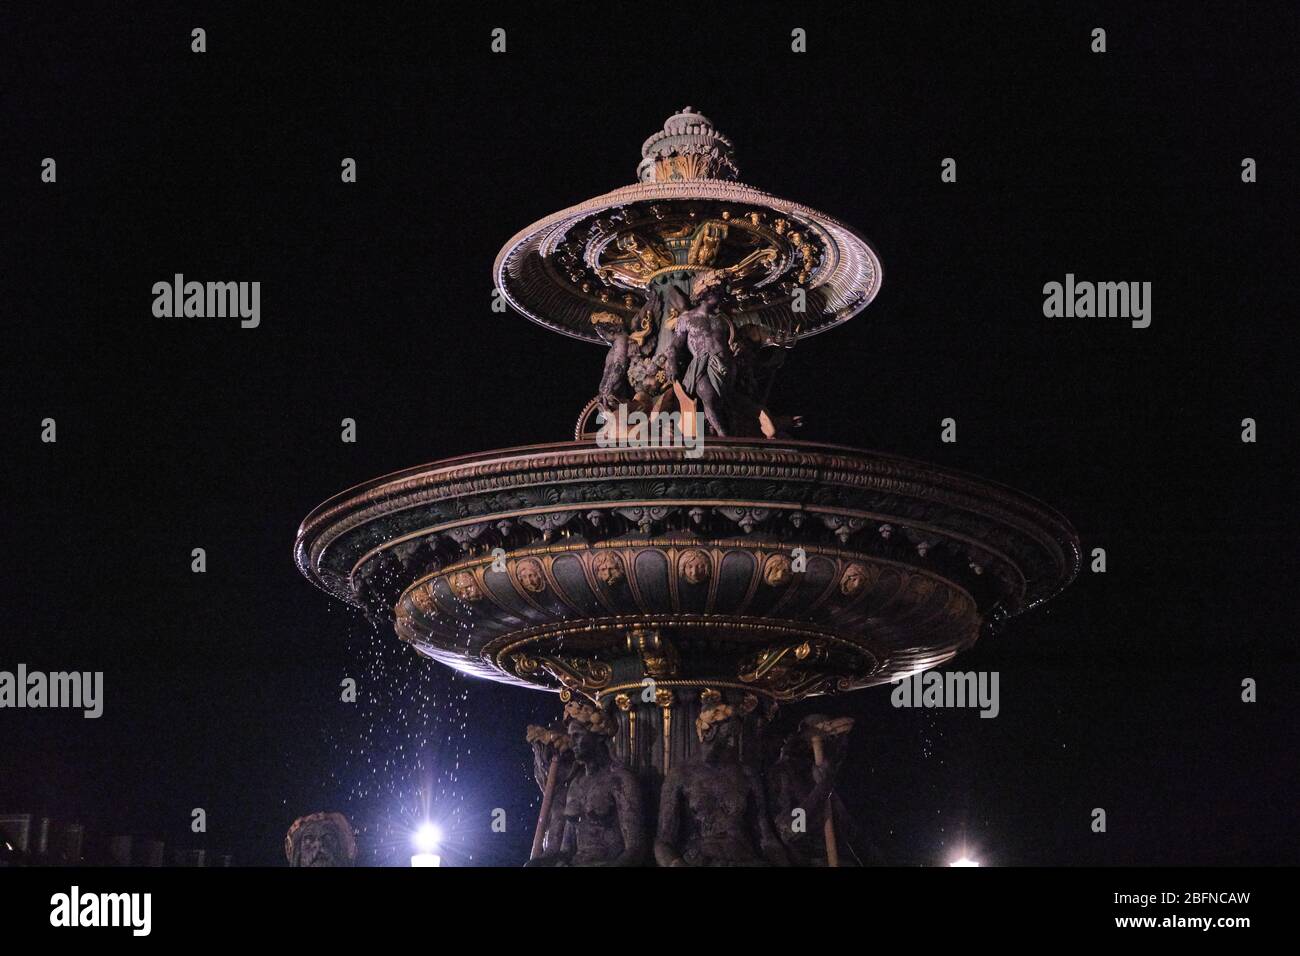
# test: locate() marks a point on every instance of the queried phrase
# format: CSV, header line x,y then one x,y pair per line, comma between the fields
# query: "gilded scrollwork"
x,y
574,673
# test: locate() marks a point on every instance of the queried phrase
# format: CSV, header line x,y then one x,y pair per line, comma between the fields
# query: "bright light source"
x,y
426,859
964,861
427,838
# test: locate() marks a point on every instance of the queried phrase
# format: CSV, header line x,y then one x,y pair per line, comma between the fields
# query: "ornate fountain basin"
x,y
787,567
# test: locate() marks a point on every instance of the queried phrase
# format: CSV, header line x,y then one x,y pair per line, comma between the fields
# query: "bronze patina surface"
x,y
531,565
686,565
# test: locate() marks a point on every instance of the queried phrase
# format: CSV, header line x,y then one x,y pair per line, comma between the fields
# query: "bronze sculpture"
x,y
656,585
811,820
320,840
614,387
712,811
603,820
708,334
552,766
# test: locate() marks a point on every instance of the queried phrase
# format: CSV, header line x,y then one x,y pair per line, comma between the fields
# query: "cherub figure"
x,y
625,379
614,388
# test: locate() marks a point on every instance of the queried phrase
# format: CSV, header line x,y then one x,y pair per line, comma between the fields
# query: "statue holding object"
x,y
603,819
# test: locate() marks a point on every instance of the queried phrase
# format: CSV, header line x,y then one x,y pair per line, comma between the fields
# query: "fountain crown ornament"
x,y
790,270
688,147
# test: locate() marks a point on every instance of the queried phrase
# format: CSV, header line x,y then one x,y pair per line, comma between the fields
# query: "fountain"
x,y
684,566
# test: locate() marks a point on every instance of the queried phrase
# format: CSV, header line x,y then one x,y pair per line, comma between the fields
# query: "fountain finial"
x,y
688,147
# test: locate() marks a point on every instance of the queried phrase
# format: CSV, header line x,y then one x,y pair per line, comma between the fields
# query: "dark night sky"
x,y
222,688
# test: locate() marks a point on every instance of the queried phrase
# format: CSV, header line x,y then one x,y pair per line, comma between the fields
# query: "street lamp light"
x,y
427,840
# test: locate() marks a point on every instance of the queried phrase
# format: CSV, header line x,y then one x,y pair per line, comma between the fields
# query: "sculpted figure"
x,y
797,783
631,374
603,819
712,810
548,743
636,255
706,242
614,388
707,334
321,839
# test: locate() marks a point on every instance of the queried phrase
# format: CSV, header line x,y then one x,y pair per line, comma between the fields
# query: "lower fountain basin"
x,y
787,567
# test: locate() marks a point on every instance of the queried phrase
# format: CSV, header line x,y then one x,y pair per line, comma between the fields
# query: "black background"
x,y
222,689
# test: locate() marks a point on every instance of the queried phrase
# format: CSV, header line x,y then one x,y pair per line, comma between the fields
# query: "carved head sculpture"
x,y
608,325
422,598
590,730
695,566
778,570
718,729
465,587
321,839
710,285
529,572
853,580
609,568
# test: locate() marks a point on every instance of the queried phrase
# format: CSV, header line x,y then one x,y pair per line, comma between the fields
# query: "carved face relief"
x,y
854,580
695,567
319,845
465,587
530,575
320,840
587,744
609,569
721,740
920,589
422,598
778,570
